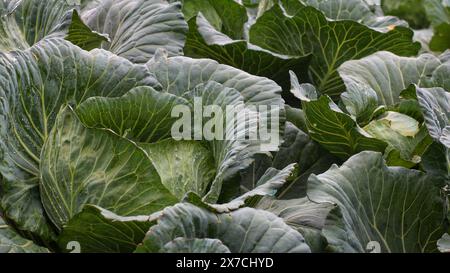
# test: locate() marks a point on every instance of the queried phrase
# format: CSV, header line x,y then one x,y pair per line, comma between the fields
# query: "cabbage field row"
x,y
115,133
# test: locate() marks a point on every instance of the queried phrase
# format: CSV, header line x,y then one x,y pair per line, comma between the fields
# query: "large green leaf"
x,y
24,23
100,231
400,209
331,42
82,166
12,242
337,131
355,10
242,231
203,41
179,75
142,115
137,28
34,84
388,75
10,32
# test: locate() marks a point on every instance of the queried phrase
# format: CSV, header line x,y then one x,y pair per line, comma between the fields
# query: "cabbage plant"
x,y
357,95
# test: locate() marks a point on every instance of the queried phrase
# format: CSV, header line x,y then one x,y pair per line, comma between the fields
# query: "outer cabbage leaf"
x,y
26,22
437,11
203,41
331,42
242,231
388,75
137,28
337,131
100,231
355,10
135,34
305,216
400,209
